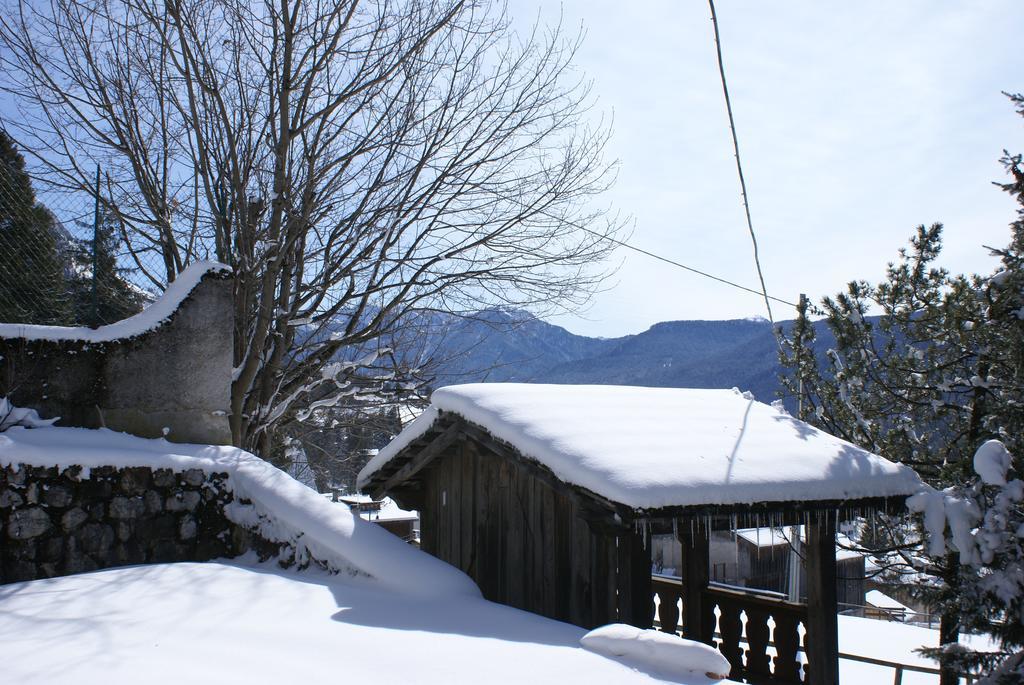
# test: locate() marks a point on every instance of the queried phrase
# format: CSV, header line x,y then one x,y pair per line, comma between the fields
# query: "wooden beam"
x,y
759,514
423,457
408,496
698,613
822,605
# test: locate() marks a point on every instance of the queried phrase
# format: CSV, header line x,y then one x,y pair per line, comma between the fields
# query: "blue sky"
x,y
857,122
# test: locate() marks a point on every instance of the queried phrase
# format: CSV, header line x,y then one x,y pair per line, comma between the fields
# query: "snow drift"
x,y
657,651
282,509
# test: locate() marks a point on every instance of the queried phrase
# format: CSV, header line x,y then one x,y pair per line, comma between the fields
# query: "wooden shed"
x,y
545,495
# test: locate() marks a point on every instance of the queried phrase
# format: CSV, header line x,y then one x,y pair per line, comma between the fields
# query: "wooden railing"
x,y
668,593
755,664
770,622
758,634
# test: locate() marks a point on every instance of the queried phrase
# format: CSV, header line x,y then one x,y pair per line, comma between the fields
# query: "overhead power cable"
x,y
648,253
642,251
739,166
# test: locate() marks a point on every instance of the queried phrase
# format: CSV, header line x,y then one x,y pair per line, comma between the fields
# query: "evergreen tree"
x,y
984,513
1005,298
902,385
32,281
111,298
927,383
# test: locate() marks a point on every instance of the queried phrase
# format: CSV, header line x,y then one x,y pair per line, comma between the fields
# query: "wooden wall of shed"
x,y
526,545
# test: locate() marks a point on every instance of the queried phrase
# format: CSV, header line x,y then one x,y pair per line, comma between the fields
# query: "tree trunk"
x,y
949,625
949,632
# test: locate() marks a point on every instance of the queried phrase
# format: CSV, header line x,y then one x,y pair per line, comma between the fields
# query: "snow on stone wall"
x,y
165,372
275,515
55,521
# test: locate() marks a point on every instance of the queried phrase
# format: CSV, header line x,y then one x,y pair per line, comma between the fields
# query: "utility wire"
x,y
739,168
642,251
648,253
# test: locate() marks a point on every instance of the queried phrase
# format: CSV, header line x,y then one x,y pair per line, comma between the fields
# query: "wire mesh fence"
x,y
63,261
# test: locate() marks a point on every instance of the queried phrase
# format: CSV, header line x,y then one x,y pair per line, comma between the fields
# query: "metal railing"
x,y
901,668
905,615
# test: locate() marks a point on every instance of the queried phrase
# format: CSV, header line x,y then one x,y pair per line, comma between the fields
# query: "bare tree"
x,y
356,163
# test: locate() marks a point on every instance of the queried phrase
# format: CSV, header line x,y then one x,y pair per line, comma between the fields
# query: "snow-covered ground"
x,y
890,641
406,618
393,612
243,622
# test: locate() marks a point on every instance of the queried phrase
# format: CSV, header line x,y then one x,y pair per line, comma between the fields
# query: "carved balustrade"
x,y
759,634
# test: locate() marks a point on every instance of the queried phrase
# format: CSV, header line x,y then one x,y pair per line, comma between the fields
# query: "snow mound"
x,y
657,651
649,448
148,319
282,508
11,416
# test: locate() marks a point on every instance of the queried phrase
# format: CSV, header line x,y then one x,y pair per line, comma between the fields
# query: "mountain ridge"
x,y
514,346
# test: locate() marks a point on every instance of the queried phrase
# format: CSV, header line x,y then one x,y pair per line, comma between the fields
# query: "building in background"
x,y
761,558
386,513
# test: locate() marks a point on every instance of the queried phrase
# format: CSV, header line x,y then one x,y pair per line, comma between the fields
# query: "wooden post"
x,y
822,603
643,590
698,614
633,580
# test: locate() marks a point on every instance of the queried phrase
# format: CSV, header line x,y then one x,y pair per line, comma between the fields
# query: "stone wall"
x,y
173,380
57,521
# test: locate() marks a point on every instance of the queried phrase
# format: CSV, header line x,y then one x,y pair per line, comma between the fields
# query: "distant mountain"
x,y
500,345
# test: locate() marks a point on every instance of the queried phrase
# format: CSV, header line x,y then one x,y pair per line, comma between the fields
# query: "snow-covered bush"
x,y
11,416
983,522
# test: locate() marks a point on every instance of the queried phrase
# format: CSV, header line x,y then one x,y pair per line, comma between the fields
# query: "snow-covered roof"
x,y
159,311
356,498
649,448
879,599
389,511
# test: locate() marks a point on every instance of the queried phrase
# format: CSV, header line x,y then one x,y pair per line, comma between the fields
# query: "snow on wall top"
x,y
333,531
649,448
148,319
